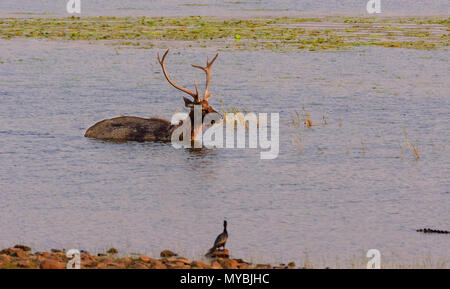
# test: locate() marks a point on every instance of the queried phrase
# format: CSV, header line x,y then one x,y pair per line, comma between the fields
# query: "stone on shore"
x,y
184,260
228,263
219,254
147,259
168,253
13,252
199,265
112,251
23,248
138,265
52,264
216,265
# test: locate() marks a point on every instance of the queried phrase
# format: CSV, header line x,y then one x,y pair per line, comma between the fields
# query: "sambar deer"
x,y
131,128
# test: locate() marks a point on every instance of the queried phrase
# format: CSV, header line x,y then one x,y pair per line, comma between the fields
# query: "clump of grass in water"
x,y
324,119
307,119
416,151
405,134
297,141
304,120
415,148
239,116
295,120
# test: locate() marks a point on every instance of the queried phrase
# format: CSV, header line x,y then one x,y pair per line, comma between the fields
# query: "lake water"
x,y
223,8
324,199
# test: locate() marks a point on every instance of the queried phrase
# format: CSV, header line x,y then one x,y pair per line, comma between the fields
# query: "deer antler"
x,y
194,95
207,70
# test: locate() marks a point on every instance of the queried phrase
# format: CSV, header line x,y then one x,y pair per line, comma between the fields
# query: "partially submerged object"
x,y
132,128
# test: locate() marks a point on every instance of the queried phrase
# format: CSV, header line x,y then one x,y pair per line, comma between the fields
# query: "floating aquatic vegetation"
x,y
270,33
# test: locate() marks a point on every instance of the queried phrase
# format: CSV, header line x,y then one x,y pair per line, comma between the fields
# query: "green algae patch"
x,y
268,33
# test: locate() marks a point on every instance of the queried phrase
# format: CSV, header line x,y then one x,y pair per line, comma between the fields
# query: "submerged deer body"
x,y
131,128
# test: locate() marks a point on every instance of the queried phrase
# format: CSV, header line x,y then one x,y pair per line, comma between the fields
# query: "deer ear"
x,y
188,102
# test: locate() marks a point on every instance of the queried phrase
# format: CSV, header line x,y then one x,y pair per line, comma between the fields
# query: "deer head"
x,y
206,108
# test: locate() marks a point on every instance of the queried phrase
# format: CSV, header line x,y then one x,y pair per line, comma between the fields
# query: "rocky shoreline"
x,y
22,257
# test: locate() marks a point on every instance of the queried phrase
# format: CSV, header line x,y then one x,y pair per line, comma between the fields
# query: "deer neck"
x,y
196,125
196,132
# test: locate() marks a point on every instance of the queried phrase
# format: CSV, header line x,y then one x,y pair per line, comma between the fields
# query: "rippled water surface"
x,y
324,199
223,8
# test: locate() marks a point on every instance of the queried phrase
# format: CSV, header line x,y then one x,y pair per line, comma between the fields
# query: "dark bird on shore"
x,y
220,240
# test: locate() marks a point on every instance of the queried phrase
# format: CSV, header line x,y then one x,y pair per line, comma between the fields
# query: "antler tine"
x,y
196,87
207,71
214,59
208,96
163,66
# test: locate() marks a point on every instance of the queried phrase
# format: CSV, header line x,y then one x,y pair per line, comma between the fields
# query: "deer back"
x,y
131,128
